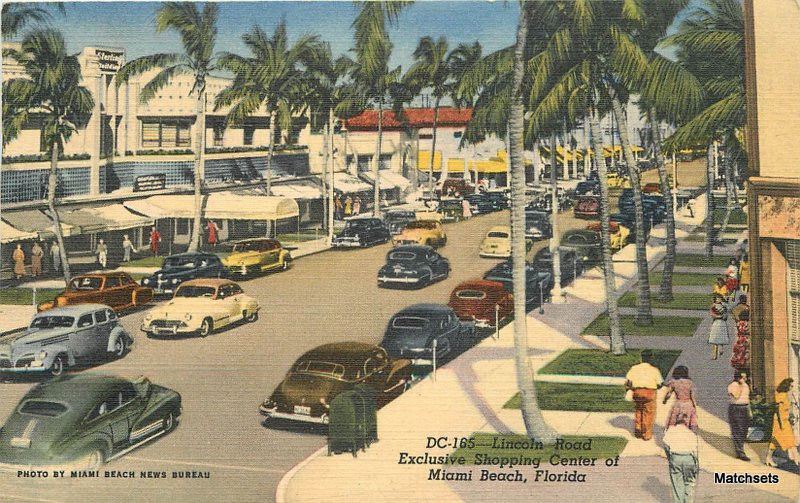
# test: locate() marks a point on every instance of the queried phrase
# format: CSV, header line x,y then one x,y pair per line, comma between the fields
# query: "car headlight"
x,y
146,281
175,281
42,355
187,317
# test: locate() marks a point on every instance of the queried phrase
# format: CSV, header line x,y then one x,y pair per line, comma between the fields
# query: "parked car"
x,y
480,203
413,265
451,209
497,243
318,376
571,264
589,187
538,281
652,188
586,243
616,181
397,220
85,420
482,302
587,207
457,185
412,331
619,234
64,337
362,232
499,198
256,255
629,221
201,306
422,232
184,267
115,289
537,225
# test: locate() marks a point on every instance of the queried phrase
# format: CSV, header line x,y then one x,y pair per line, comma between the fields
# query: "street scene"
x,y
382,251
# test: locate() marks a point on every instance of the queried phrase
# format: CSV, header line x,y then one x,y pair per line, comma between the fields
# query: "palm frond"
x,y
160,80
725,115
143,64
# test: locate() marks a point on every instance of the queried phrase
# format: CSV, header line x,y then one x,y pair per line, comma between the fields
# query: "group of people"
x,y
729,297
37,257
347,206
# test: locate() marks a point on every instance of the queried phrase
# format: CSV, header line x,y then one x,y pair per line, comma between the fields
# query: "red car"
x,y
652,188
459,185
587,207
482,301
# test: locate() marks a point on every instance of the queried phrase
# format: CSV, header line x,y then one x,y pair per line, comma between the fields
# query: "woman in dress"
x,y
720,288
19,262
740,354
718,335
782,427
465,209
744,273
732,277
685,405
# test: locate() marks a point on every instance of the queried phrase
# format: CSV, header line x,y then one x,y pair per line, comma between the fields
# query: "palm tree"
x,y
50,92
17,15
270,78
198,32
373,48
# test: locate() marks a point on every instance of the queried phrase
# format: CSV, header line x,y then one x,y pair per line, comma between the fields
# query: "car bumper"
x,y
403,242
404,280
169,330
494,254
275,414
241,270
346,244
23,370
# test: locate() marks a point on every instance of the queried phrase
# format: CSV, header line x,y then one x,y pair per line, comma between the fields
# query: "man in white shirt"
x,y
739,412
644,379
680,444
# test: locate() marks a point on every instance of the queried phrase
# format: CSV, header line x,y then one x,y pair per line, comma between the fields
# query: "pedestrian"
x,y
783,424
55,256
18,256
680,444
102,254
718,335
744,273
155,240
732,277
36,260
741,249
357,206
685,403
465,208
643,379
337,202
211,229
740,352
127,247
720,288
740,308
739,412
348,206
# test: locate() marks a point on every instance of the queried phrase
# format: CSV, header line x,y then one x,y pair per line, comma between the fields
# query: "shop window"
x,y
249,131
219,134
182,226
165,133
457,134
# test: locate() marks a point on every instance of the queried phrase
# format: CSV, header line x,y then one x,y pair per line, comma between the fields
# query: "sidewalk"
x,y
468,397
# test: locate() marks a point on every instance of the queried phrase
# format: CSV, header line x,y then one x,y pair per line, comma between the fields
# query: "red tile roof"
x,y
415,117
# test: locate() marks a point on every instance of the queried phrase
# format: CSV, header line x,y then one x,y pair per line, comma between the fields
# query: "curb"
x,y
283,485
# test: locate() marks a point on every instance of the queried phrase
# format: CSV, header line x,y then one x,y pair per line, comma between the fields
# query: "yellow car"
x,y
422,232
497,243
618,182
255,255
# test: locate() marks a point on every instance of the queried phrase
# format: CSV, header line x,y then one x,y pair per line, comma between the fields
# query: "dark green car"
x,y
85,420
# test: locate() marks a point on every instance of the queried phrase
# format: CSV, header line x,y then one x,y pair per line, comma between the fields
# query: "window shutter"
x,y
793,283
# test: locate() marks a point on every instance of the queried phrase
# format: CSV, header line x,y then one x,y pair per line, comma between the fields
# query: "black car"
x,y
362,232
499,199
183,267
396,220
571,264
629,221
416,330
586,243
413,266
480,203
654,208
588,188
537,225
538,281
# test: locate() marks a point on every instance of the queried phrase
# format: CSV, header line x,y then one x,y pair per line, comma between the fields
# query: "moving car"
x,y
322,373
259,254
482,302
64,337
586,243
85,420
629,221
499,198
619,234
362,232
411,333
538,281
115,289
397,220
184,267
201,306
537,225
480,203
451,209
497,243
587,207
615,181
422,232
571,265
588,187
413,265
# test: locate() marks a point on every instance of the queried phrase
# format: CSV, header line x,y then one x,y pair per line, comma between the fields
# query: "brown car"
x,y
322,373
482,301
114,289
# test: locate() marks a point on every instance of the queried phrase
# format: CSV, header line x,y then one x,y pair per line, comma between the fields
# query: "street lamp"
x,y
541,297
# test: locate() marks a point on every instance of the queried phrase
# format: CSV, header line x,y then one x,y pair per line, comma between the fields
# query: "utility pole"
x,y
555,239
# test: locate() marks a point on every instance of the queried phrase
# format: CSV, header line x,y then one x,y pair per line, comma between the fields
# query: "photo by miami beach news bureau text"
x,y
112,474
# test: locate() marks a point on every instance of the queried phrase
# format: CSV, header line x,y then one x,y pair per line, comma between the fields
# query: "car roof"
x,y
424,308
344,353
412,248
112,274
191,254
256,240
479,284
73,310
212,282
80,391
500,228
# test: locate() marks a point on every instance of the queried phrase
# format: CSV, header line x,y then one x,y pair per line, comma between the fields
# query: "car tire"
x,y
205,327
58,366
285,265
92,460
120,347
168,423
250,317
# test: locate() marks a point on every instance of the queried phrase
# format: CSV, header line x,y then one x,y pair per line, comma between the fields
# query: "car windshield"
x,y
249,246
470,294
356,224
409,322
195,291
52,321
179,263
497,234
421,224
320,368
86,283
42,408
577,239
398,216
402,255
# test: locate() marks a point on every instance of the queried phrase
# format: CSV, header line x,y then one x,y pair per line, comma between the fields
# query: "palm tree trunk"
x,y
51,205
326,157
433,148
199,171
710,200
726,166
617,339
535,425
665,293
555,240
644,313
331,207
272,115
376,163
536,169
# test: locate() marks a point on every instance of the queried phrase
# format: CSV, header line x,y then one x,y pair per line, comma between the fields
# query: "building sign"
x,y
109,61
778,217
143,183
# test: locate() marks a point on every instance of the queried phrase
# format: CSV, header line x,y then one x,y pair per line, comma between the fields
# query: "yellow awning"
x,y
424,160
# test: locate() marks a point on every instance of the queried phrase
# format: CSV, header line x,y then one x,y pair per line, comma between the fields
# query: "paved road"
x,y
326,297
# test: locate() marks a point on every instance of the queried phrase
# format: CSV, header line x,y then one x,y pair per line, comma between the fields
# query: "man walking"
x,y
127,247
102,254
680,444
644,379
36,260
55,256
155,240
739,412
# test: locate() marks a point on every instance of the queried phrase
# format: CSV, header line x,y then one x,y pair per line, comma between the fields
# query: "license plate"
x,y
22,443
302,409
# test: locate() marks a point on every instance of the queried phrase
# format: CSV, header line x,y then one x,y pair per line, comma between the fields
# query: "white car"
x,y
201,306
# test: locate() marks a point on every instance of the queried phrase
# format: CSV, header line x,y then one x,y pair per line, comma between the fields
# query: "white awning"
x,y
112,217
9,234
296,191
389,179
344,182
37,222
219,205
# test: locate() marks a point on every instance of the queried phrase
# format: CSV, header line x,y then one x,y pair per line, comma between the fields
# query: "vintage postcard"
x,y
396,251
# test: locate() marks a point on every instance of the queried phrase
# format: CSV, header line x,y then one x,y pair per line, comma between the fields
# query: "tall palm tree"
x,y
271,78
17,15
373,49
51,92
197,30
